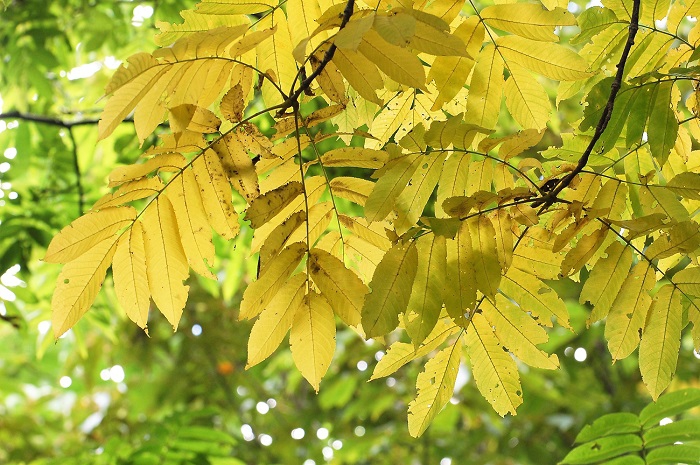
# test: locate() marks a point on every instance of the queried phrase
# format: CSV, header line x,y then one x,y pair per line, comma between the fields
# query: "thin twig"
x,y
78,176
604,118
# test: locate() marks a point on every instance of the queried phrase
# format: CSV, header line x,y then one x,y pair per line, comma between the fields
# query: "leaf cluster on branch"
x,y
459,231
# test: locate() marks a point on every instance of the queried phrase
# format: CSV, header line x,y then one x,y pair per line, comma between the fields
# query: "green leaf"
x,y
607,425
678,431
603,448
669,405
672,455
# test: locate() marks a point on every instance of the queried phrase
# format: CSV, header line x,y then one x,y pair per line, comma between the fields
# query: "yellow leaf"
x,y
357,157
585,248
446,10
401,353
363,255
232,104
535,297
128,95
361,73
606,279
524,214
194,228
341,287
130,191
396,62
315,187
330,79
353,189
453,179
480,177
381,201
78,284
503,224
318,218
390,290
276,54
518,332
413,199
535,256
429,287
312,338
216,194
396,27
86,232
350,36
374,233
324,114
166,263
195,22
487,268
279,237
433,41
259,293
250,41
193,118
688,280
450,73
164,162
611,200
526,99
661,340
513,144
486,89
268,205
275,320
494,370
527,20
254,141
234,7
684,237
302,18
460,284
551,60
238,165
435,387
628,314
392,117
130,276
135,65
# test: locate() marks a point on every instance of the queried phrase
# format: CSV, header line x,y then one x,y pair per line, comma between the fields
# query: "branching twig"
x,y
604,118
304,85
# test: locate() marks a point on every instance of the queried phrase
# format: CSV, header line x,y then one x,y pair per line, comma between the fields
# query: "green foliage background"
x,y
179,389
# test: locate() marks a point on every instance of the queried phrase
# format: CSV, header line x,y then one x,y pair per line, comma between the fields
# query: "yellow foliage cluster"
x,y
459,231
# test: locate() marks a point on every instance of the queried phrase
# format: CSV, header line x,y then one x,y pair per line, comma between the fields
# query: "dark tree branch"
x,y
13,320
604,118
49,120
293,98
